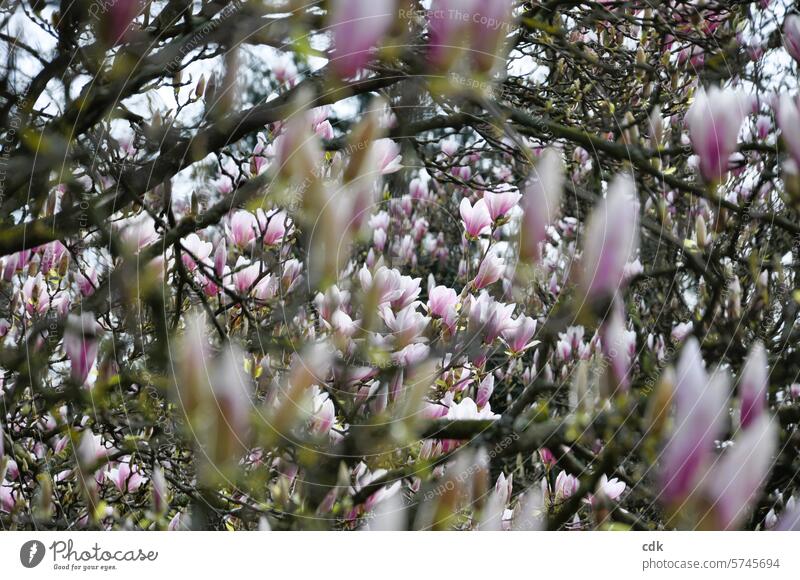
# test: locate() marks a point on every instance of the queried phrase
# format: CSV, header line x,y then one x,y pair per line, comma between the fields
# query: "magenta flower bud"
x,y
489,272
357,26
220,258
612,236
541,203
116,20
791,36
476,218
499,204
700,412
734,482
714,120
753,385
81,344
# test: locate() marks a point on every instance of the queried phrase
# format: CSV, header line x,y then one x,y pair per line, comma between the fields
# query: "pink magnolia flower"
x,y
124,477
541,203
490,25
734,482
489,316
499,204
476,219
357,26
517,334
323,414
700,412
243,228
442,303
714,120
485,390
196,249
612,236
387,154
489,272
81,344
791,36
753,385
788,117
275,226
609,488
245,275
565,487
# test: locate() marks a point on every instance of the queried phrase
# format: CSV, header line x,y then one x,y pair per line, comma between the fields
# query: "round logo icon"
x,y
31,553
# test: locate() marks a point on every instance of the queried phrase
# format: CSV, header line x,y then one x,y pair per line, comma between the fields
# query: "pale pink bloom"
x,y
566,486
519,333
608,488
323,413
266,288
714,120
220,258
489,272
489,316
485,390
466,409
243,228
196,251
476,219
700,413
541,203
8,497
791,36
612,236
763,126
681,330
753,385
387,154
406,326
81,344
504,486
138,232
357,26
418,188
124,477
245,275
490,25
275,226
35,294
733,484
283,68
411,355
499,204
450,23
788,117
442,303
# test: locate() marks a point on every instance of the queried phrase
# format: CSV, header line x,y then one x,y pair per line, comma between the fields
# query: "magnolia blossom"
x,y
467,409
518,334
357,26
700,411
81,344
788,117
736,478
485,390
611,489
499,204
791,36
612,236
125,477
541,203
476,218
753,385
489,272
714,120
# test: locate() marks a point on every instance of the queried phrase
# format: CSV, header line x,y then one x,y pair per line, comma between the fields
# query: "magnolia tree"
x,y
397,264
